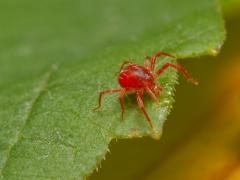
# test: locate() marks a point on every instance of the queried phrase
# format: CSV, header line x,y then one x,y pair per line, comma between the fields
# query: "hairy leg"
x,y
122,93
152,95
158,54
179,68
147,62
141,106
123,64
103,93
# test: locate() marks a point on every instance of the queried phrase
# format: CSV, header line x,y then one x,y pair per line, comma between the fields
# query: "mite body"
x,y
135,76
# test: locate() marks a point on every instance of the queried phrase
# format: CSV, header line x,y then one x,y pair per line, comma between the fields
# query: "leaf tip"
x,y
156,135
215,51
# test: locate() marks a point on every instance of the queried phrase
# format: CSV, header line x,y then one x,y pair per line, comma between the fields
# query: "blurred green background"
x,y
201,138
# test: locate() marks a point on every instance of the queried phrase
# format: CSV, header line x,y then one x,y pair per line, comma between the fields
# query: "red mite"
x,y
137,79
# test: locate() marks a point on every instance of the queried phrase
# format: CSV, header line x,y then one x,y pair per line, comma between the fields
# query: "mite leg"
x,y
122,93
103,93
158,54
123,64
141,106
152,95
147,62
179,68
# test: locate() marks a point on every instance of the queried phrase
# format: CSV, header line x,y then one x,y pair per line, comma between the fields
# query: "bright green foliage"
x,y
57,55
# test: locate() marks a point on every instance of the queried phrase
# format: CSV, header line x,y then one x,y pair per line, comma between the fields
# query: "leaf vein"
x,y
39,89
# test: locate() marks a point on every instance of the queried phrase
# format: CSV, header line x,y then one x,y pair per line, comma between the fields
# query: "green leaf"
x,y
57,55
